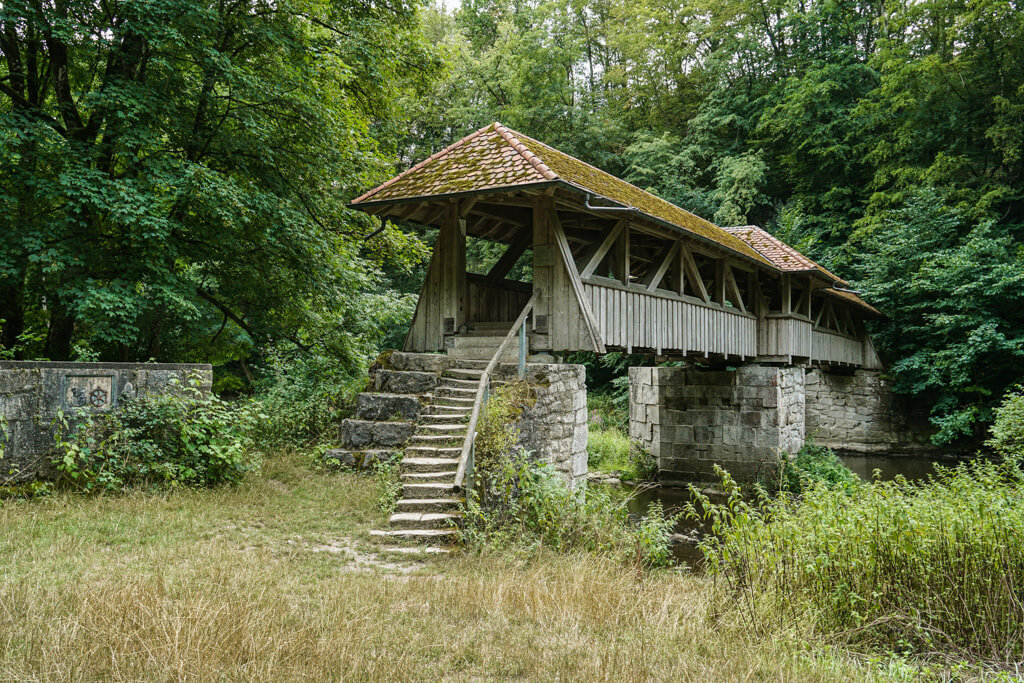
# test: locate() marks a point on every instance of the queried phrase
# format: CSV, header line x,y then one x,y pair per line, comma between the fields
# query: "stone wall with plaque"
x,y
31,394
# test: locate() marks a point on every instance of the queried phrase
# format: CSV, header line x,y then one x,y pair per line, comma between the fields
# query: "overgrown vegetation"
x,y
916,568
524,504
609,448
181,437
814,463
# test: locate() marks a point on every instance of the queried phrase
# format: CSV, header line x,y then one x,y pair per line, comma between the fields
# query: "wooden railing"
x,y
465,470
832,347
633,319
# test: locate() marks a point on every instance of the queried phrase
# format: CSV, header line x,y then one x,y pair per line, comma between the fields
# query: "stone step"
x,y
430,464
419,535
424,520
449,418
468,341
428,490
442,441
446,476
483,353
439,428
464,374
439,410
453,401
458,392
414,452
458,382
428,504
468,365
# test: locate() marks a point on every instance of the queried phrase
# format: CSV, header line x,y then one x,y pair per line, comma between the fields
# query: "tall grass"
x,y
923,567
231,584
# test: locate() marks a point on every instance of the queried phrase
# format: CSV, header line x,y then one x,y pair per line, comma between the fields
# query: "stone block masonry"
x,y
859,415
743,420
555,428
691,420
31,394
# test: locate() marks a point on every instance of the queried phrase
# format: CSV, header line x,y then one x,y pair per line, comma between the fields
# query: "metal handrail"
x,y
483,389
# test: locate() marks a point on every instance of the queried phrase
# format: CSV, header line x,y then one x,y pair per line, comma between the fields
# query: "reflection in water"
x,y
674,499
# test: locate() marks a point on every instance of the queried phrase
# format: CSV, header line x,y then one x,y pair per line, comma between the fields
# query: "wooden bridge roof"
x,y
496,157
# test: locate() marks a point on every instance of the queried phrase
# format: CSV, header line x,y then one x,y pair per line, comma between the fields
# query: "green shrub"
x,y
497,432
610,450
305,396
523,504
814,463
1008,427
179,438
908,567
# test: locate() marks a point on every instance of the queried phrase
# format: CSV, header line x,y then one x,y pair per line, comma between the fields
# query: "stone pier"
x,y
745,419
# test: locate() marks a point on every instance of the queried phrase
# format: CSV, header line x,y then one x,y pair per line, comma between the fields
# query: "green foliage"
x,y
184,437
815,464
497,433
304,397
525,504
954,291
175,173
907,567
1008,427
387,477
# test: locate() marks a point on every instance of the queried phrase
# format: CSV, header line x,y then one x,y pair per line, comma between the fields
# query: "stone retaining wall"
x,y
859,415
31,393
555,427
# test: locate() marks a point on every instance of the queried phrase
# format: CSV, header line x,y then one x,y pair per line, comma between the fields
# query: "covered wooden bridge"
x,y
613,266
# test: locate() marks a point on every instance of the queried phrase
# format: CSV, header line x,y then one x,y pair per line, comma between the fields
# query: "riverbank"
x,y
277,578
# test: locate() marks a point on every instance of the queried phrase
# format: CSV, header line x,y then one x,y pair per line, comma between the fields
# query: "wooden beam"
x,y
467,206
720,282
621,259
787,294
592,259
515,250
734,287
693,274
577,286
654,276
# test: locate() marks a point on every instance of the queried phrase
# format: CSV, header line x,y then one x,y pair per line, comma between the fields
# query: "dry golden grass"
x,y
236,583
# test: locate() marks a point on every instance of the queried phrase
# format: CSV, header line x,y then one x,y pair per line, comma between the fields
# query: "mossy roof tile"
x,y
788,259
497,157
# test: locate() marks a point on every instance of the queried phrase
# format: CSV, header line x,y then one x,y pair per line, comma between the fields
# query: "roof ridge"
x,y
606,173
531,157
432,157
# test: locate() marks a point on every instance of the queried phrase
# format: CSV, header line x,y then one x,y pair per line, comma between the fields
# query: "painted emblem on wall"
x,y
93,392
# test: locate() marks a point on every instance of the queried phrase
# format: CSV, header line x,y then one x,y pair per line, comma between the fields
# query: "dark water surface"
x,y
674,499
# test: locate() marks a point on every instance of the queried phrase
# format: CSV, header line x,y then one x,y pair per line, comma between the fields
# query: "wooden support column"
x,y
451,256
543,264
720,282
787,294
620,262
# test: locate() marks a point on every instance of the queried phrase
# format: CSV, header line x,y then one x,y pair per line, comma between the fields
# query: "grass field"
x,y
277,579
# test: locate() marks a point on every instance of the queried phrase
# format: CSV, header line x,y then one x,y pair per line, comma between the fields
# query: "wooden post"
x,y
787,294
543,263
720,282
451,257
621,260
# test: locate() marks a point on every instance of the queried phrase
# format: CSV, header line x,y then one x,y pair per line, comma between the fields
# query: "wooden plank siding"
x,y
492,302
785,336
830,347
664,322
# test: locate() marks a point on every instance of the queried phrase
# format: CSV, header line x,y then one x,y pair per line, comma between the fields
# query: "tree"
x,y
172,168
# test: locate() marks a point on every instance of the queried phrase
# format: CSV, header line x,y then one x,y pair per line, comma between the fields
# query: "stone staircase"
x,y
429,510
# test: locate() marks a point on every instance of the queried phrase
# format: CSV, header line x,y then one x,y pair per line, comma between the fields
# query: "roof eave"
x,y
764,263
355,204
